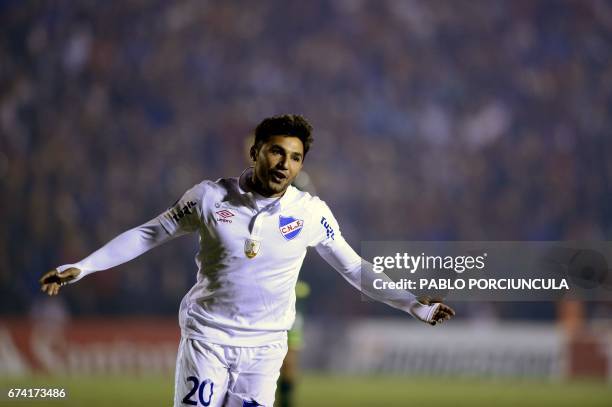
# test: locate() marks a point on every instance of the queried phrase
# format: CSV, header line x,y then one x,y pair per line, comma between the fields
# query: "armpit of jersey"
x,y
186,214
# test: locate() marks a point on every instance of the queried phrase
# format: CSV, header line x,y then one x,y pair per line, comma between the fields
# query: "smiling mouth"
x,y
278,177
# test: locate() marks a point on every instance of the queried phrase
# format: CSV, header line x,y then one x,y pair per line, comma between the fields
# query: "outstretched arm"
x,y
358,272
121,249
181,218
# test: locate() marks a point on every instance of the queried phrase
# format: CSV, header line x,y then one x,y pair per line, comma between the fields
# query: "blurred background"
x,y
434,120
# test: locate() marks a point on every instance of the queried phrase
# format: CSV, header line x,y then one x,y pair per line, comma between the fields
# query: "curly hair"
x,y
284,125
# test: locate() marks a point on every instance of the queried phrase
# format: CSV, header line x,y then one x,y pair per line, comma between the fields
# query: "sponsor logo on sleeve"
x,y
178,213
329,231
289,226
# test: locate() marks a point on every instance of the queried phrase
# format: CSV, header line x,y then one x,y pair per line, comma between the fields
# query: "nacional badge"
x,y
289,226
251,247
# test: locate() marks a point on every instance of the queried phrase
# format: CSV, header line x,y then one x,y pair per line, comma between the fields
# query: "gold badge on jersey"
x,y
251,247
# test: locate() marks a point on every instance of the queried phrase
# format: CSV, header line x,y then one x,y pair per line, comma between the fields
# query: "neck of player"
x,y
256,185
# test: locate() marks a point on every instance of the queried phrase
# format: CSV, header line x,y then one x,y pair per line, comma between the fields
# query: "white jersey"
x,y
251,251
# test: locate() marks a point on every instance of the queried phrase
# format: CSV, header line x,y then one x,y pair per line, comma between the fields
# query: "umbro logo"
x,y
224,213
224,216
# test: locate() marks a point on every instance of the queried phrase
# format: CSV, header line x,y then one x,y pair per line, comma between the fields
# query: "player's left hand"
x,y
441,312
51,282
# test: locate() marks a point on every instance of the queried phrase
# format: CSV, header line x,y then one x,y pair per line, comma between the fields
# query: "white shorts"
x,y
212,375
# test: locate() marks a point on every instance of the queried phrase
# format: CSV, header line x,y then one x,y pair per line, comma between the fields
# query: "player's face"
x,y
277,162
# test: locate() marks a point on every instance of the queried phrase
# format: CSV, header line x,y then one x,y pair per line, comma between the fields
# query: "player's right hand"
x,y
53,280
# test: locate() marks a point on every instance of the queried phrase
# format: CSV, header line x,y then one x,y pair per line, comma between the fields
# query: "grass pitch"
x,y
320,390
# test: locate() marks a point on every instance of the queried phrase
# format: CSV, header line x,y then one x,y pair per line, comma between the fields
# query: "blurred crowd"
x,y
434,120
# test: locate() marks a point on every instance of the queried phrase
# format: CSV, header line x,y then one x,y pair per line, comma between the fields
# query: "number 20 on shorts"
x,y
204,396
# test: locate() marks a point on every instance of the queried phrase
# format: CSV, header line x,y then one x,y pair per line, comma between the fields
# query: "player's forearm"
x,y
121,249
364,276
361,276
359,273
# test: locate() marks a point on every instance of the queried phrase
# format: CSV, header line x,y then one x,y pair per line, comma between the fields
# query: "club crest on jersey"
x,y
289,226
251,247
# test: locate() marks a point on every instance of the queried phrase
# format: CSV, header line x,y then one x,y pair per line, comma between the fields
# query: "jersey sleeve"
x,y
181,218
330,245
186,214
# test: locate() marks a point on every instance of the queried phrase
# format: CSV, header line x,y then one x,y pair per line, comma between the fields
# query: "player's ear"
x,y
253,153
